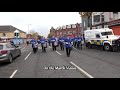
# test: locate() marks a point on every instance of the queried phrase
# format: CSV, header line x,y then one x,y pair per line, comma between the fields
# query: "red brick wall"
x,y
77,29
116,30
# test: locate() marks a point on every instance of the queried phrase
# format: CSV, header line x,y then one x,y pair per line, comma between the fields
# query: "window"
x,y
115,15
15,34
68,32
74,32
57,33
97,18
102,26
64,32
106,33
97,36
102,18
60,33
1,47
115,12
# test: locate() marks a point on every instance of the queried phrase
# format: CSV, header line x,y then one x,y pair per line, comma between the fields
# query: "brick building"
x,y
72,29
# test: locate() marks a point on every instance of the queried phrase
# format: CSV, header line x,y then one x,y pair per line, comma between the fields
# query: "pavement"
x,y
85,63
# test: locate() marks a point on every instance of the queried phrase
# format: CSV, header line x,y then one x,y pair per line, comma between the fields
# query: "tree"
x,y
39,36
50,35
34,33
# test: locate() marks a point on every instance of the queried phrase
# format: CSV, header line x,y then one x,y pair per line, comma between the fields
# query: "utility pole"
x,y
28,28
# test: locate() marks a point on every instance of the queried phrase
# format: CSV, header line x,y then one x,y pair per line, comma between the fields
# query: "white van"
x,y
102,37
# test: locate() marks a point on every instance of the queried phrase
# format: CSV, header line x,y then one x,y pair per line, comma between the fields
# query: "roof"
x,y
9,28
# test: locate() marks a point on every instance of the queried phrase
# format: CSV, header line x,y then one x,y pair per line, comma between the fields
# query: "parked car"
x,y
8,52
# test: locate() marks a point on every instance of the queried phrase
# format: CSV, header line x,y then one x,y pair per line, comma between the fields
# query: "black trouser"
x,y
53,47
27,43
68,50
79,44
75,43
49,44
43,48
34,50
62,47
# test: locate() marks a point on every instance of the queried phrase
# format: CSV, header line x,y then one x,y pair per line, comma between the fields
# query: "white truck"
x,y
103,37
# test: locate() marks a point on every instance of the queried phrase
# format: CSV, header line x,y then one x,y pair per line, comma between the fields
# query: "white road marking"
x,y
58,53
82,71
13,73
23,48
74,48
28,55
39,48
50,47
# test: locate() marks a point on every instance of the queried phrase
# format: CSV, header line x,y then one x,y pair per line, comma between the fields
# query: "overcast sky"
x,y
40,21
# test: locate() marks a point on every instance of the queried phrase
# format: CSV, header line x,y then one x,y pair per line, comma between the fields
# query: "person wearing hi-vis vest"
x,y
54,43
68,46
43,44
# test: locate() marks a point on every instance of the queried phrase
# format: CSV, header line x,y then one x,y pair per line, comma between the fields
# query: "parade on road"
x,y
61,57
70,51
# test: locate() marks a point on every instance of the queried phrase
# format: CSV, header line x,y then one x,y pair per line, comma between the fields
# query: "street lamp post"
x,y
28,28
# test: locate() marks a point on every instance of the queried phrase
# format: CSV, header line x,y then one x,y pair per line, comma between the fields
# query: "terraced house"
x,y
72,29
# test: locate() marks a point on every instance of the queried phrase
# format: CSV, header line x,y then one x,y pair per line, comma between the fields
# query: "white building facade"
x,y
103,17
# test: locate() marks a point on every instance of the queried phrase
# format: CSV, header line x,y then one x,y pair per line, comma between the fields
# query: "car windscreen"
x,y
106,33
1,47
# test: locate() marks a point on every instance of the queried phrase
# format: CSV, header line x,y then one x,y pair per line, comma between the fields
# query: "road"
x,y
86,63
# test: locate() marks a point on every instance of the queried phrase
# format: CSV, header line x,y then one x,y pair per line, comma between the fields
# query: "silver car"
x,y
8,52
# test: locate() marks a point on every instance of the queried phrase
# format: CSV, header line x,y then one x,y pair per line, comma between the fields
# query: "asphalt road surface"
x,y
85,63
